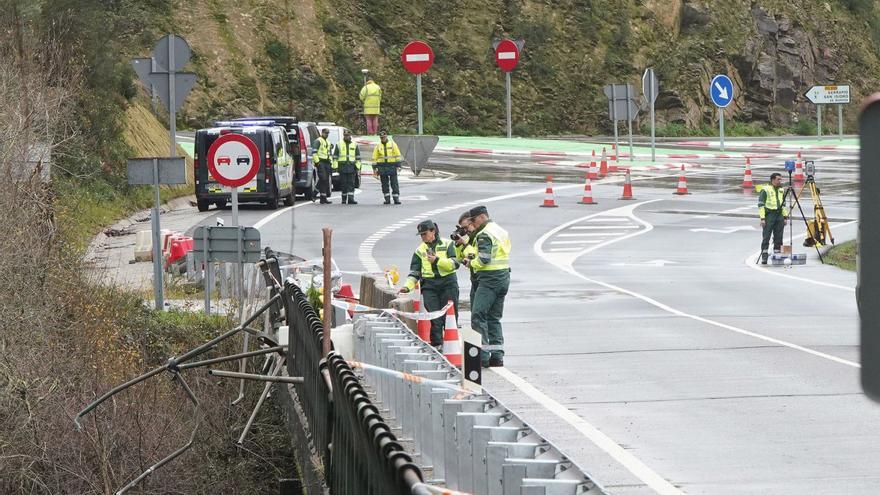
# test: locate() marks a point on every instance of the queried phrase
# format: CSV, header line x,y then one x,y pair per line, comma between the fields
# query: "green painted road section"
x,y
525,145
188,146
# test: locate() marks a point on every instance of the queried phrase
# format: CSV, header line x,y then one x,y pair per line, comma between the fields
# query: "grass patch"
x,y
843,255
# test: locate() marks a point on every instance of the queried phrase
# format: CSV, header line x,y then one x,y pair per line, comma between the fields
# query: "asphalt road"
x,y
641,338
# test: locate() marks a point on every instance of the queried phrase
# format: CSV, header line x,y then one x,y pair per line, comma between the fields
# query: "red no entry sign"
x,y
506,55
417,57
233,159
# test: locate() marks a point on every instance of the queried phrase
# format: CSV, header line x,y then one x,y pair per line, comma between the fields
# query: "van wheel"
x,y
202,204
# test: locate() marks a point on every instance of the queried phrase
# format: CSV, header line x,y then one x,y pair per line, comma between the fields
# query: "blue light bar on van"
x,y
244,123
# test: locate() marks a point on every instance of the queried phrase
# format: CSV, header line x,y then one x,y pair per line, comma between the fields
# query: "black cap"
x,y
478,210
426,225
382,133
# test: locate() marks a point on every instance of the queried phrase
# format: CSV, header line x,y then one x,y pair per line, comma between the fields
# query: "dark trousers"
x,y
389,180
325,169
774,223
436,294
487,308
347,181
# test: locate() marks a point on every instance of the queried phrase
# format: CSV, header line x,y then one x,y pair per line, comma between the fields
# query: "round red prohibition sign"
x,y
233,159
417,57
506,55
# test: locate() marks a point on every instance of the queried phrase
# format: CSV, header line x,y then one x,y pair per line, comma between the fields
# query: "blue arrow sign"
x,y
721,90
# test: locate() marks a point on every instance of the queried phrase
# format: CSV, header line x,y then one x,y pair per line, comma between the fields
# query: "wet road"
x,y
640,336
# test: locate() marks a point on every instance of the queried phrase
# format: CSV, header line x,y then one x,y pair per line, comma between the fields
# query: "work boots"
x,y
351,200
396,200
344,198
325,201
387,199
764,257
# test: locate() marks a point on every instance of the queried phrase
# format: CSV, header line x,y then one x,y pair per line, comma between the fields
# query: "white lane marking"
x,y
583,241
587,234
751,259
276,214
365,252
626,459
563,249
566,264
601,227
610,219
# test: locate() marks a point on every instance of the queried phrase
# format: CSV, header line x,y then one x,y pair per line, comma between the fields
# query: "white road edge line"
x,y
750,262
272,216
566,265
629,461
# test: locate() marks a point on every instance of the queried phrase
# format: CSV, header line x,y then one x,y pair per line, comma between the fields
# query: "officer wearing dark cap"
x,y
491,268
434,264
386,160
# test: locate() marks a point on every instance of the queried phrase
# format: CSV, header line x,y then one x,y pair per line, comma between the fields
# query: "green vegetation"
x,y
843,255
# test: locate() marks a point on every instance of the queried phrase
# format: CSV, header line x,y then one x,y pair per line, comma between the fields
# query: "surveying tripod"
x,y
818,229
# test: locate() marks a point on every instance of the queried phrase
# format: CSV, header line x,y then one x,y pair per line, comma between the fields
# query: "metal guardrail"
x,y
469,442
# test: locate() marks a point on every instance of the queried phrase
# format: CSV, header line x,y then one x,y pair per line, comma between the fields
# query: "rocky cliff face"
x,y
305,57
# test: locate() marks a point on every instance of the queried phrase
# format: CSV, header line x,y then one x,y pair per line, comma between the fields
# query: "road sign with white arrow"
x,y
828,95
721,90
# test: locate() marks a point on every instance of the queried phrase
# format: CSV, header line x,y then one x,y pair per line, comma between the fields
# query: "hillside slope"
x,y
305,57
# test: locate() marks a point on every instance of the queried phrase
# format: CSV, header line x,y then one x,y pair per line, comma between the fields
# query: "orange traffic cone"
x,y
747,178
423,325
799,155
613,152
627,187
451,345
588,193
682,188
550,198
799,170
603,165
594,170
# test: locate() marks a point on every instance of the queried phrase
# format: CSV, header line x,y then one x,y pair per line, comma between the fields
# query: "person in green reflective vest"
x,y
323,163
773,214
347,159
434,265
371,95
463,246
386,161
491,266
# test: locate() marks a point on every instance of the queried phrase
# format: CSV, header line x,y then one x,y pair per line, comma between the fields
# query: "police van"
x,y
300,135
275,178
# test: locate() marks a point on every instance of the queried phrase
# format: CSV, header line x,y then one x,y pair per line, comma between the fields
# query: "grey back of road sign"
x,y
183,84
619,107
172,170
416,150
222,244
650,86
181,50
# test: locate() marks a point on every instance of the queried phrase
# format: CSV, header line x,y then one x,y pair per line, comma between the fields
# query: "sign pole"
x,y
721,125
509,125
840,122
629,124
819,122
209,273
158,289
614,119
419,99
653,145
172,103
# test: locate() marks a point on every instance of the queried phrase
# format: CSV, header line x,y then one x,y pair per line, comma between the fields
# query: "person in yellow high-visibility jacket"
x,y
773,214
323,161
386,161
371,95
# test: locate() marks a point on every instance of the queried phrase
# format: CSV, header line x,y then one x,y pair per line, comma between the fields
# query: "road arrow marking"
x,y
722,91
728,230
